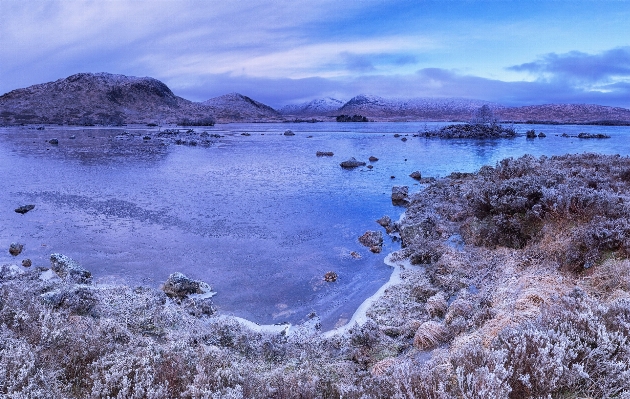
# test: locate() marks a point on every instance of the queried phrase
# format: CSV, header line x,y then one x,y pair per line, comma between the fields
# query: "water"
x,y
259,217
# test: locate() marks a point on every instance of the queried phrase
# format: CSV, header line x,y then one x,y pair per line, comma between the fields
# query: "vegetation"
x,y
520,289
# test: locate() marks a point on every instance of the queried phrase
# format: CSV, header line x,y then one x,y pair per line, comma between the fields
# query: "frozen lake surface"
x,y
260,218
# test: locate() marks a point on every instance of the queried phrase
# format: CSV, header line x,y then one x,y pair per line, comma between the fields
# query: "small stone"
x,y
541,135
22,209
392,177
403,139
324,153
355,255
146,138
370,167
16,248
373,159
73,137
384,221
53,141
416,175
330,277
179,286
27,263
289,133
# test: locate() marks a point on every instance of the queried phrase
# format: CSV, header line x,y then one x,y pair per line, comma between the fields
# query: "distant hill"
x,y
416,109
235,107
320,107
564,113
98,98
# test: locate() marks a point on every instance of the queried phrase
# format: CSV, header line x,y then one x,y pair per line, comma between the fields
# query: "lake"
x,y
259,217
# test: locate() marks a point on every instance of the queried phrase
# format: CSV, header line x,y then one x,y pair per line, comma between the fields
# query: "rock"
x,y
416,175
146,138
27,263
330,277
396,135
355,255
541,135
324,153
373,240
531,134
373,159
384,221
247,134
53,141
289,133
593,136
16,248
73,137
403,139
351,163
69,270
370,167
392,177
400,195
179,286
78,299
24,208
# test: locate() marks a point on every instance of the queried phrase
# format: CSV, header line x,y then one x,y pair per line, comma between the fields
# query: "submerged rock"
x,y
179,286
330,277
16,248
69,270
22,209
373,240
324,153
289,133
400,195
351,163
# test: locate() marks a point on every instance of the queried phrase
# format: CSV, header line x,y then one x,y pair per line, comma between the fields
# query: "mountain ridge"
x,y
110,99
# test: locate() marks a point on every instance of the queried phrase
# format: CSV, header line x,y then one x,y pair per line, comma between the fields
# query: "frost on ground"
x,y
514,283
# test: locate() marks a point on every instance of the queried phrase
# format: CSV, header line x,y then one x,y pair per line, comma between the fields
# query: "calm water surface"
x,y
258,217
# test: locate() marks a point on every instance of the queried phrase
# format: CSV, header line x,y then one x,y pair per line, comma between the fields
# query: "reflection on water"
x,y
258,217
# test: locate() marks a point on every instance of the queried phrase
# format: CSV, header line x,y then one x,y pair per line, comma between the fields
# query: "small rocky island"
x,y
471,131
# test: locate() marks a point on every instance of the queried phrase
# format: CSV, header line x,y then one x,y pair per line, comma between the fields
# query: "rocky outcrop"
x,y
400,195
470,131
179,286
69,270
372,240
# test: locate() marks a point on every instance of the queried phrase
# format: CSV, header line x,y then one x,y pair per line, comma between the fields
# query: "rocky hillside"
x,y
98,98
319,107
564,113
235,107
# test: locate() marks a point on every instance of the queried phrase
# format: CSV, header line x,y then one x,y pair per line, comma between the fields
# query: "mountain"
x,y
418,109
319,107
235,107
98,98
564,113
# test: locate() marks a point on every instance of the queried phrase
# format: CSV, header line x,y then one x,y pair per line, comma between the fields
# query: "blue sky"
x,y
281,52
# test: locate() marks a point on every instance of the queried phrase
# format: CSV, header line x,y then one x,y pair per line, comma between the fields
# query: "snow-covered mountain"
x,y
318,107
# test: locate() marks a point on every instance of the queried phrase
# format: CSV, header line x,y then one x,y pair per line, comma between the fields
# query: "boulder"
x,y
373,240
22,209
53,141
416,175
78,299
289,133
400,195
16,248
531,134
351,163
330,277
69,270
373,159
27,263
541,135
177,285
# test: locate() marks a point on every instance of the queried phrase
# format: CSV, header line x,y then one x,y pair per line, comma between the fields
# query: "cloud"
x,y
579,66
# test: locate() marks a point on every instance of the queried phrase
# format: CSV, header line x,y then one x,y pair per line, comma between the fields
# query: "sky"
x,y
288,52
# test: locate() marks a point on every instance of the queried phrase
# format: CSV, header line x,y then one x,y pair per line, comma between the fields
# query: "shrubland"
x,y
515,283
